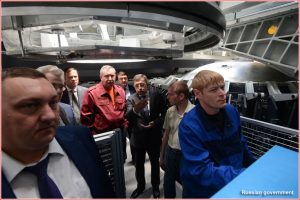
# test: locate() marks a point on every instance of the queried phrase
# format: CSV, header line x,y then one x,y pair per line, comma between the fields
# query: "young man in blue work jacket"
x,y
214,150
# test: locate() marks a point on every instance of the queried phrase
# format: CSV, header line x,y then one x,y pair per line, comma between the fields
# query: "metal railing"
x,y
262,136
110,149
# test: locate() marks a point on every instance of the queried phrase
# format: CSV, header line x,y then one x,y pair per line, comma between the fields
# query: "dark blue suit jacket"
x,y
79,145
131,89
67,111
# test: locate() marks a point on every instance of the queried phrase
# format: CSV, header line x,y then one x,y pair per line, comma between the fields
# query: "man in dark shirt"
x,y
145,112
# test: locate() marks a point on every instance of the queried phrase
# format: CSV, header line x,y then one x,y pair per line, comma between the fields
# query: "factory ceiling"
x,y
66,31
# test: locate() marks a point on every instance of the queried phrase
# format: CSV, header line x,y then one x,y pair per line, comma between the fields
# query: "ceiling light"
x,y
73,35
146,22
106,61
104,31
51,40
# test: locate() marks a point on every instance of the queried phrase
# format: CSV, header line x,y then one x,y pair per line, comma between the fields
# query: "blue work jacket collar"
x,y
208,124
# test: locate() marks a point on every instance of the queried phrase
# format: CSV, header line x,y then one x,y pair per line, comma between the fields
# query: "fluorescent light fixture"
x,y
129,42
146,22
73,35
51,40
104,31
107,61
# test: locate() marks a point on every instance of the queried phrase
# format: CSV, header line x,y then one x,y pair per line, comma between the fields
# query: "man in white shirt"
x,y
170,155
30,137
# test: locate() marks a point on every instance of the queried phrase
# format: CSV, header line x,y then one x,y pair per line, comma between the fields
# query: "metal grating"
x,y
110,149
279,49
262,136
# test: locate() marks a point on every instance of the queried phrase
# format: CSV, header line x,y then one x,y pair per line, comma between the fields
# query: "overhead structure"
x,y
90,30
267,32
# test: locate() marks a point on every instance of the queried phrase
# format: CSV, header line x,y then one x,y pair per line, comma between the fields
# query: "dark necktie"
x,y
75,106
47,188
145,112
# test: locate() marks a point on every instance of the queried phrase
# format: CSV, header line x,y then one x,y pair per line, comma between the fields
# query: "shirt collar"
x,y
208,125
146,96
102,90
12,167
188,107
70,90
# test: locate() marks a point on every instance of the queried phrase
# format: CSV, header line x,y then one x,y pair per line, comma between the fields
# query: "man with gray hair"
x,y
103,105
145,113
56,78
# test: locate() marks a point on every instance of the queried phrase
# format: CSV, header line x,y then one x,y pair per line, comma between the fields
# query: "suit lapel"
x,y
7,191
79,96
151,102
81,91
80,156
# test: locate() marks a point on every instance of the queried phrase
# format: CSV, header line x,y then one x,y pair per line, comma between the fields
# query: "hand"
x,y
140,105
150,125
162,162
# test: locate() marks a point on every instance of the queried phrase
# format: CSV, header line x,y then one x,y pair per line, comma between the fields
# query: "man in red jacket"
x,y
103,105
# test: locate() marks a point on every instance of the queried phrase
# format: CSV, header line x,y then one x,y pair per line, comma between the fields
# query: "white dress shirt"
x,y
60,169
127,92
171,123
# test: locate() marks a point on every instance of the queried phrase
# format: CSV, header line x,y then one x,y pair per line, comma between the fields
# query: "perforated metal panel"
x,y
110,149
262,136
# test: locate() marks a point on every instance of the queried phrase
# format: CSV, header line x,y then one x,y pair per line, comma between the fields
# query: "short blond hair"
x,y
206,78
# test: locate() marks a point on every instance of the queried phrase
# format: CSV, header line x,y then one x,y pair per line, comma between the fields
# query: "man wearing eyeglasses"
x,y
56,78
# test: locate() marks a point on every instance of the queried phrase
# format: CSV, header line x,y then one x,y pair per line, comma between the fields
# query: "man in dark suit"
x,y
57,79
66,115
123,82
73,94
129,90
39,160
145,112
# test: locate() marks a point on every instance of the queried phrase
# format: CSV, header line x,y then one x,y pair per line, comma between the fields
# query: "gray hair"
x,y
106,67
138,77
53,70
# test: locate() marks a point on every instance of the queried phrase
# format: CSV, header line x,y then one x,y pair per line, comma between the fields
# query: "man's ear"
x,y
197,93
181,96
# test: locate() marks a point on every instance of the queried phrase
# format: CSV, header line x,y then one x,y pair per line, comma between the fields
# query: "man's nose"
x,y
222,91
49,113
